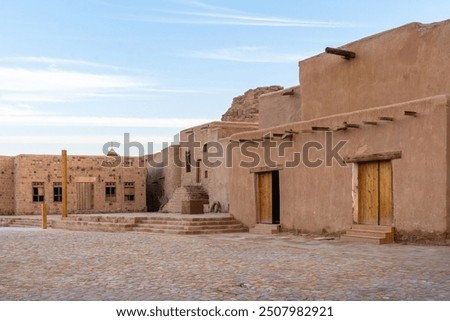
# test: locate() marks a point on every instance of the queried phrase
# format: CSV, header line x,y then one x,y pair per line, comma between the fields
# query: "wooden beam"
x,y
373,157
374,123
64,182
340,52
319,128
410,113
386,118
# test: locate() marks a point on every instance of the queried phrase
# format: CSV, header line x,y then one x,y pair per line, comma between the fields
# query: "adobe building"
x,y
185,181
383,108
96,184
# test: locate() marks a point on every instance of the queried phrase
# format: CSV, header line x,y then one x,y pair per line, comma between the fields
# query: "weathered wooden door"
x,y
269,197
265,197
375,193
85,196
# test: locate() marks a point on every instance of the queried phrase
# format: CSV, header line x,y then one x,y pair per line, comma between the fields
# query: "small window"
x,y
205,148
110,192
57,192
129,191
38,192
188,161
206,174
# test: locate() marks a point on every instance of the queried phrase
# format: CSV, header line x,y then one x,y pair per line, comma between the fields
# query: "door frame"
x,y
275,195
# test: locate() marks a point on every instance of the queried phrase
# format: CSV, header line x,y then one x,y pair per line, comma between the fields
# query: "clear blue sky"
x,y
77,74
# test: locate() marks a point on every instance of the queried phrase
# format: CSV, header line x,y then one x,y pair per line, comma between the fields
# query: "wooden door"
x,y
385,191
375,193
85,196
265,197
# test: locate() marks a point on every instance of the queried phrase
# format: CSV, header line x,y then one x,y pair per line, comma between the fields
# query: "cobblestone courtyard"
x,y
64,265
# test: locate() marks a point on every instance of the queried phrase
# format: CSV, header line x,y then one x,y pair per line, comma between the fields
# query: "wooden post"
x,y
64,182
44,216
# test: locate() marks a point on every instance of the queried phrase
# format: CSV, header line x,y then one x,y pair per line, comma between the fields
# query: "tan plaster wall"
x,y
6,185
320,199
216,182
398,65
47,169
280,107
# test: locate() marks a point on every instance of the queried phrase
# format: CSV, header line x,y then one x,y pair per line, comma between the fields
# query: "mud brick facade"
x,y
94,184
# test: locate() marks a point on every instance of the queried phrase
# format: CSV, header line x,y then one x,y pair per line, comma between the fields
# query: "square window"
x,y
110,192
57,192
38,191
129,191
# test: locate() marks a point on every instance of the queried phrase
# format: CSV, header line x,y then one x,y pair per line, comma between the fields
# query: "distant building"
x,y
96,184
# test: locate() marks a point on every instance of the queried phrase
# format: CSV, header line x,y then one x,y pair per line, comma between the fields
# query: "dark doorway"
x,y
275,197
269,197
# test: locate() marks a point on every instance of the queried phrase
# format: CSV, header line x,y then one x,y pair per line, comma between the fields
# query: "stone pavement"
x,y
65,265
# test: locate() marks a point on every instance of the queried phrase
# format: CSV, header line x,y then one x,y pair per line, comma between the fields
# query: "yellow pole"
x,y
44,216
64,182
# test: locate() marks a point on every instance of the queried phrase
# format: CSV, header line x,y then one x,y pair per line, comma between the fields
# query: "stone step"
x,y
363,233
364,227
106,219
267,229
375,234
190,227
190,232
366,239
93,226
184,222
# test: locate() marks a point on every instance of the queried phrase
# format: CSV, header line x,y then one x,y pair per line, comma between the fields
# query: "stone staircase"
x,y
98,223
187,200
375,234
267,229
20,222
163,223
190,225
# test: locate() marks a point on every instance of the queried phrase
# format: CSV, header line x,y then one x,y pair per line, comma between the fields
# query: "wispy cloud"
x,y
248,54
86,121
43,84
52,61
20,79
78,139
204,14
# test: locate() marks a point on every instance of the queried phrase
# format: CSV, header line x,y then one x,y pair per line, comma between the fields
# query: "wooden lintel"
x,y
386,118
266,169
374,123
290,131
277,134
373,157
410,113
319,128
340,52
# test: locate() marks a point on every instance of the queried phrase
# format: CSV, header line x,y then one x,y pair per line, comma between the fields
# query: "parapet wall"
x,y
402,64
